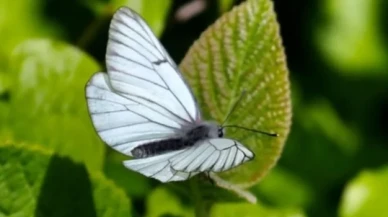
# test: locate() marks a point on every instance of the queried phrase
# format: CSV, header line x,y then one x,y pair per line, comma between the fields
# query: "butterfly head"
x,y
221,132
213,130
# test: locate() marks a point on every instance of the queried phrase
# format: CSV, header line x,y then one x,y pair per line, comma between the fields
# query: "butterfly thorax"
x,y
189,138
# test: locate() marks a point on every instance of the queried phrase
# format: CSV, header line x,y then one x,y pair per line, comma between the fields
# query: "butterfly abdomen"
x,y
159,147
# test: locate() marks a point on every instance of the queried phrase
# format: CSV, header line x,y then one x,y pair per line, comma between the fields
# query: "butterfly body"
x,y
189,138
143,108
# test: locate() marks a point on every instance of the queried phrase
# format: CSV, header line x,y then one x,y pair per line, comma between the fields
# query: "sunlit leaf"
x,y
34,182
46,100
366,195
19,20
243,51
350,38
248,210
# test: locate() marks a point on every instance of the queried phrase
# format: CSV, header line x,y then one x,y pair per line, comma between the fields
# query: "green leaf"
x,y
350,38
366,195
161,202
47,100
320,116
323,133
243,51
248,210
154,12
35,182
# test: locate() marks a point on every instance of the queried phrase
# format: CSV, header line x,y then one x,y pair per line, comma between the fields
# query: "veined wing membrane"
x,y
216,155
213,155
159,167
124,123
134,54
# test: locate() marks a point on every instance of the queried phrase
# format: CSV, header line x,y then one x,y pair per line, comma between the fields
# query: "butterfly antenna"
x,y
240,127
233,107
253,130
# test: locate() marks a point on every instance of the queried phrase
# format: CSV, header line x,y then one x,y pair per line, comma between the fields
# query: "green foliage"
x,y
36,182
20,20
247,210
323,134
154,12
47,103
366,195
243,51
320,116
135,184
172,205
350,37
285,189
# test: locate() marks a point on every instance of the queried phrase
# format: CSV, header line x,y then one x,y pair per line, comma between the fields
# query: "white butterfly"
x,y
143,108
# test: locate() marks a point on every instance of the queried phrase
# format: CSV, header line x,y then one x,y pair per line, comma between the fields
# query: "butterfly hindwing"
x,y
159,167
211,155
215,155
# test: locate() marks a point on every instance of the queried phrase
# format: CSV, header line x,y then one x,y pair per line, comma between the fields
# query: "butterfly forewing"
x,y
140,68
143,98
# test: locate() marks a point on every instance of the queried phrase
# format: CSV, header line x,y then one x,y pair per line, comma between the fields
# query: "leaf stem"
x,y
234,188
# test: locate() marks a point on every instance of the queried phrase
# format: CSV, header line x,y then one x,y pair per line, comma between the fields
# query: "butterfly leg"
x,y
208,178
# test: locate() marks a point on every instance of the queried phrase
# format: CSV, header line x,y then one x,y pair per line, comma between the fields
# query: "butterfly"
x,y
143,108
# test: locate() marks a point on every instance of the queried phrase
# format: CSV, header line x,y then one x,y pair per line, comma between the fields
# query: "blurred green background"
x,y
335,162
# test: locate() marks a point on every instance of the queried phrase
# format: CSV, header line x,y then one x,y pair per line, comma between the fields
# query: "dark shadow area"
x,y
5,96
66,191
72,16
382,119
383,25
82,26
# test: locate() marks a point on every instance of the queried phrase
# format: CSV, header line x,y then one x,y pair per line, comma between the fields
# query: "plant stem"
x,y
234,188
91,30
201,210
